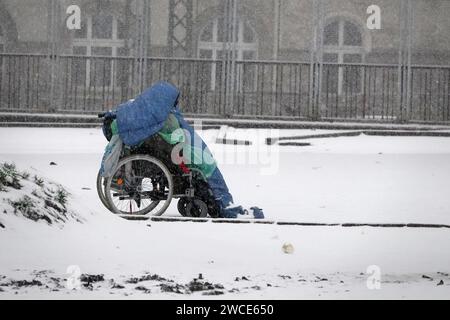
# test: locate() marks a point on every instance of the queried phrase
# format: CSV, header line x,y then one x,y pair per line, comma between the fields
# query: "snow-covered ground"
x,y
347,179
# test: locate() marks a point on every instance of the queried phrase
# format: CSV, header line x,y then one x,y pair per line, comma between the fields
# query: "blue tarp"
x,y
216,181
140,119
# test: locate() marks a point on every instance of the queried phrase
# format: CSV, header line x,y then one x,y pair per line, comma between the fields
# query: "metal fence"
x,y
261,89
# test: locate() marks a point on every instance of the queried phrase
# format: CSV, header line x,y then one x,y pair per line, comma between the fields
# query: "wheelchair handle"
x,y
107,115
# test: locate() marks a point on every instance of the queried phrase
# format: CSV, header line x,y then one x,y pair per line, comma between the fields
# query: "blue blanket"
x,y
140,119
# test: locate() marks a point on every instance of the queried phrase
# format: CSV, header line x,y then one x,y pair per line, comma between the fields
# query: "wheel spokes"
x,y
139,185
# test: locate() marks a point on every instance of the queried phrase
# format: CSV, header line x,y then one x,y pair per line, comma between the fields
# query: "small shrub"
x,y
9,177
39,181
61,196
9,167
2,176
23,205
53,205
2,180
27,207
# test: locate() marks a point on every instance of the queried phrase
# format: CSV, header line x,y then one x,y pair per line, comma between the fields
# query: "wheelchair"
x,y
146,180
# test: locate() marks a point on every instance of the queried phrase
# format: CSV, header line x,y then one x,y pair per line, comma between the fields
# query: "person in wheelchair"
x,y
154,123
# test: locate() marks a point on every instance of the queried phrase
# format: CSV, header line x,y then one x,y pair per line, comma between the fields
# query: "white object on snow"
x,y
288,248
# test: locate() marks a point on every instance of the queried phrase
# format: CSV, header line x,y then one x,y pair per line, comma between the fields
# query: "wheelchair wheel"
x,y
196,208
181,206
101,182
140,185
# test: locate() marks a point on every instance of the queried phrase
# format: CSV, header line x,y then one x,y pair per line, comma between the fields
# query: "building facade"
x,y
208,42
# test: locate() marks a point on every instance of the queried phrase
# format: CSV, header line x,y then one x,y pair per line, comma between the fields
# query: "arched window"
x,y
100,35
343,43
214,37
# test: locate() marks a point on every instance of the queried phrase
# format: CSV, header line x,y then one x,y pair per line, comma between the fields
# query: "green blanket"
x,y
194,157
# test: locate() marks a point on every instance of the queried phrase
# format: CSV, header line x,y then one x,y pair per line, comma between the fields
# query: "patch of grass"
x,y
2,180
61,196
39,181
9,176
24,205
25,283
11,167
27,207
57,207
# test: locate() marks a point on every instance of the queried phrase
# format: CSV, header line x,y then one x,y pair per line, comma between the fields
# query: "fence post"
x,y
318,113
51,50
312,61
53,55
404,72
315,81
141,44
409,72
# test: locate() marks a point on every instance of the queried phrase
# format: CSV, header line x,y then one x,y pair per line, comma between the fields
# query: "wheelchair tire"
x,y
181,206
196,208
101,182
152,209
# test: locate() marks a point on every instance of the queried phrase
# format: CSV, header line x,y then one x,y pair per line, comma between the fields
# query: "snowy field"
x,y
336,180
